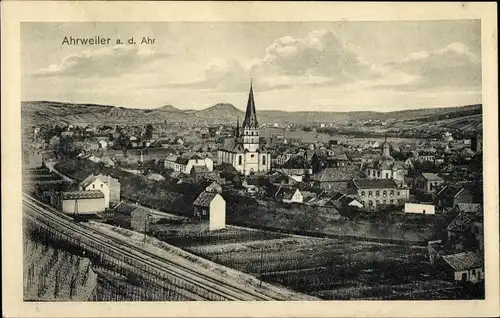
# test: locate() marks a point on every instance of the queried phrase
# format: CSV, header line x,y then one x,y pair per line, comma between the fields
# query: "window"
x,y
93,186
240,159
252,155
378,202
370,203
263,160
384,193
102,185
362,193
370,193
385,201
399,193
391,192
377,193
392,201
387,175
378,173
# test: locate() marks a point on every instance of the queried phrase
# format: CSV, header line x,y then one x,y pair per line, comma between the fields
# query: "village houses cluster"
x,y
429,177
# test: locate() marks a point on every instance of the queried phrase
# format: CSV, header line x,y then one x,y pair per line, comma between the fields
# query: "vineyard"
x,y
333,269
52,274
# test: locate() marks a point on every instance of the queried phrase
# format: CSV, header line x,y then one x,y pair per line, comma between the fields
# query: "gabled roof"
x,y
374,183
285,193
462,261
204,199
431,176
337,174
200,169
88,180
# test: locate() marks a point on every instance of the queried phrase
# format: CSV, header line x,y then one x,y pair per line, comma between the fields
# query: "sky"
x,y
294,66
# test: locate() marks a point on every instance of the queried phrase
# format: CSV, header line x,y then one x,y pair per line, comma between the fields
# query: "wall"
x,y
85,206
419,208
101,186
402,197
217,213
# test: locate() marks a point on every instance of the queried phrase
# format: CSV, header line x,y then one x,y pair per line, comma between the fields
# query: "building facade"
x,y
245,152
373,193
385,167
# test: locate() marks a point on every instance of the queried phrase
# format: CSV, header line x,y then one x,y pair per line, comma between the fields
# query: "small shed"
x,y
211,206
466,267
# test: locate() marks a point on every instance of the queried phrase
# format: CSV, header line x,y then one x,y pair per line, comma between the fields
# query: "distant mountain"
x,y
46,112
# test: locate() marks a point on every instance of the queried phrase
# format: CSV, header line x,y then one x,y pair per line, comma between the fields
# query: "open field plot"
x,y
195,234
324,267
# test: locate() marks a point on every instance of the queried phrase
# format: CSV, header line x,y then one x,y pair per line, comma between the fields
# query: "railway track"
x,y
221,288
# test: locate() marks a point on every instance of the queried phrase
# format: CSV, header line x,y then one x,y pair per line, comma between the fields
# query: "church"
x,y
244,152
385,167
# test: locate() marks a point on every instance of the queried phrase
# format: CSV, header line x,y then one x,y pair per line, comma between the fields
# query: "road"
x,y
51,166
219,287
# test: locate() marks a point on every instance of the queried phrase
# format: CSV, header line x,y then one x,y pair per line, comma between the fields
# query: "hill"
x,y
45,112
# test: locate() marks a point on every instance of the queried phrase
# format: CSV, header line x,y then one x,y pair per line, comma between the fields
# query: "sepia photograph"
x,y
174,161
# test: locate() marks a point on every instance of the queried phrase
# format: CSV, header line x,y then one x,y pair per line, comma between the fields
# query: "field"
x,y
334,269
312,137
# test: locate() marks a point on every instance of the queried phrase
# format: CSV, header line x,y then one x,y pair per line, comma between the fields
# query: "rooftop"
x,y
94,194
461,261
374,183
204,199
337,174
431,176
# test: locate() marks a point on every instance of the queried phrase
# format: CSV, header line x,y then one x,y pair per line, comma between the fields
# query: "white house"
x,y
103,144
102,183
185,164
419,208
289,195
211,206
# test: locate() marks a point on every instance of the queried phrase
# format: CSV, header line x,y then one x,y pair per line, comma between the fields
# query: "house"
x,y
419,208
113,187
337,178
251,185
93,183
103,144
81,202
464,267
465,231
341,200
198,173
141,218
186,163
289,195
462,198
211,206
375,192
428,182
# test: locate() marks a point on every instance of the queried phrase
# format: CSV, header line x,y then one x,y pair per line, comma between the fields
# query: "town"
x,y
346,210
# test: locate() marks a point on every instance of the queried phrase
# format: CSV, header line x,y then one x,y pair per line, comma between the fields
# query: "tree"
x,y
149,131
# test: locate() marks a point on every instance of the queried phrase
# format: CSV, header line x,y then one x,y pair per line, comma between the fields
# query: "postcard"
x,y
227,159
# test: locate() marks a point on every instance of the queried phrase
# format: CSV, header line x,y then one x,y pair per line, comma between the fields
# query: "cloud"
x,y
320,53
104,62
451,66
319,59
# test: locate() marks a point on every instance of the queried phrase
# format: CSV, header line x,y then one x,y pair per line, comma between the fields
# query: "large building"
x,y
385,167
245,152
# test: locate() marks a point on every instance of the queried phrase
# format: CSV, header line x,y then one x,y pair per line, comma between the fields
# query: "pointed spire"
x,y
250,120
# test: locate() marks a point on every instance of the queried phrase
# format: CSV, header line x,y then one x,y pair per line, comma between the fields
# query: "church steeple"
x,y
250,121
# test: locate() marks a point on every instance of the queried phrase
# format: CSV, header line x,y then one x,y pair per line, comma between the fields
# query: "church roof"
x,y
250,120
